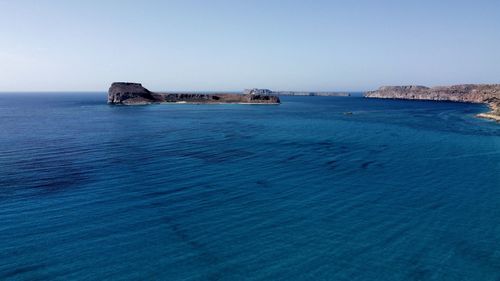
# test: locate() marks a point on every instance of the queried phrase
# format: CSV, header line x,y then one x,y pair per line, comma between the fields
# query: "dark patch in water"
x,y
263,183
61,179
203,254
293,157
365,165
216,156
481,255
325,143
183,236
20,270
435,206
158,193
332,164
324,146
416,270
419,273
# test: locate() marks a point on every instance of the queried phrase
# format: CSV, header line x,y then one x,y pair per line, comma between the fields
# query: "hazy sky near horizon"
x,y
231,45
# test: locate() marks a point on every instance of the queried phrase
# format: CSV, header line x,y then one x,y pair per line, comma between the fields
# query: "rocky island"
x,y
472,93
127,93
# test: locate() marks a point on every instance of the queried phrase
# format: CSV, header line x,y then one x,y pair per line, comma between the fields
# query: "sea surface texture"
x,y
397,190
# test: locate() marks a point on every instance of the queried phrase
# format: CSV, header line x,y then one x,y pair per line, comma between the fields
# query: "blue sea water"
x,y
399,190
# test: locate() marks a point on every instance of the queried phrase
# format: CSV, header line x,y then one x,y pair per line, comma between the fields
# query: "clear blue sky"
x,y
231,45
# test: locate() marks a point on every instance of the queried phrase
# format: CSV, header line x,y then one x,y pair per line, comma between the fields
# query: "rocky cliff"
x,y
129,93
135,93
473,93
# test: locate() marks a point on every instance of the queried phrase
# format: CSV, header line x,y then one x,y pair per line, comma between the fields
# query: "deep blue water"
x,y
399,190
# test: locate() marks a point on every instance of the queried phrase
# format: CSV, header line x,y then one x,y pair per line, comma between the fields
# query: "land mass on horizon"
x,y
296,93
470,93
127,93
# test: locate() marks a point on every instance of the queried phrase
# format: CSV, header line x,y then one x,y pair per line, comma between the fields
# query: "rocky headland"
x,y
135,94
471,93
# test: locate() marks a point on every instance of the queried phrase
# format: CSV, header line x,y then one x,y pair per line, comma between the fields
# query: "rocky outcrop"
x,y
134,93
256,91
472,93
129,93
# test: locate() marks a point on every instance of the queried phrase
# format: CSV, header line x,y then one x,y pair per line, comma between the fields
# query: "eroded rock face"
x,y
134,93
129,93
473,93
459,93
256,91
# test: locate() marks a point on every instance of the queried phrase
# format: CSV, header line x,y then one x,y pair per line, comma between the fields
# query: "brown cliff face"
x,y
129,93
134,93
473,93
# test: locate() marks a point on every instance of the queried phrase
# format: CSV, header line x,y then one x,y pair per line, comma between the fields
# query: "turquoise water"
x,y
399,190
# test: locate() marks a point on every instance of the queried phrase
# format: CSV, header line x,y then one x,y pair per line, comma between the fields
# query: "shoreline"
x,y
490,115
487,94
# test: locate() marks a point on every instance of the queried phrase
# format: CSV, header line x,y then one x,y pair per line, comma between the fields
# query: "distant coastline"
x,y
128,93
312,94
295,93
470,93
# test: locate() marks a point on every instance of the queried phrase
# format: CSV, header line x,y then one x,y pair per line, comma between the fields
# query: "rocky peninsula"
x,y
471,93
127,93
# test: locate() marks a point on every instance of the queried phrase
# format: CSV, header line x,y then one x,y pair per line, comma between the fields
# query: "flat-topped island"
x,y
135,94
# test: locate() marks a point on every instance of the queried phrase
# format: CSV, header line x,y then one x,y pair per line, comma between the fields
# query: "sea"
x,y
316,188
